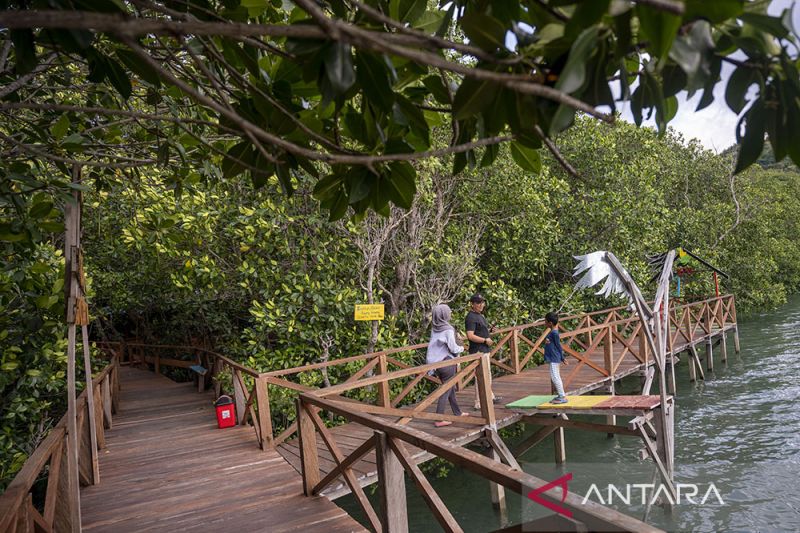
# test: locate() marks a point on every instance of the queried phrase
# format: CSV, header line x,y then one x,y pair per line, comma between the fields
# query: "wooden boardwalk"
x,y
164,465
508,388
167,467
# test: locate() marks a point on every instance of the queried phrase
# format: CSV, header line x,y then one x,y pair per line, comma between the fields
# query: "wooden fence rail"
x,y
390,441
247,386
515,349
18,512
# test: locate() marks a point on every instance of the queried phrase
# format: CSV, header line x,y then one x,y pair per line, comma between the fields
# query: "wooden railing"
x,y
515,350
309,423
247,386
391,440
59,512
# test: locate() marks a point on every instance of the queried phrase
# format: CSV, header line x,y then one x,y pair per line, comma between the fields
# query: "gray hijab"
x,y
441,318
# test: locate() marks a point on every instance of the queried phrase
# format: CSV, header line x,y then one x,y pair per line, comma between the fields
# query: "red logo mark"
x,y
560,482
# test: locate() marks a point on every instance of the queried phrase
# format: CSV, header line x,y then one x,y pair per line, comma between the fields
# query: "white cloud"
x,y
714,126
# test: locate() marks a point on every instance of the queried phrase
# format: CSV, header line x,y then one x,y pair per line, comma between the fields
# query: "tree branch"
x,y
343,31
25,78
548,142
669,6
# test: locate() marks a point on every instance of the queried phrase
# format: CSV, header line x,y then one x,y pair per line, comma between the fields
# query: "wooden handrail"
x,y
15,506
587,326
398,436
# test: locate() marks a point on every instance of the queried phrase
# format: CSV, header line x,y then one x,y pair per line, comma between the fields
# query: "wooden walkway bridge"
x,y
163,464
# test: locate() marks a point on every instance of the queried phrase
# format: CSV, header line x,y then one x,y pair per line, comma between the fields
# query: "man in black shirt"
x,y
478,334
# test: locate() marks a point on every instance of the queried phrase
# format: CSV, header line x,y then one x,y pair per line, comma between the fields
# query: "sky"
x,y
714,126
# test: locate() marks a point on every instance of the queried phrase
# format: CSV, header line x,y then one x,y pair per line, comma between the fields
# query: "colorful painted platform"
x,y
639,403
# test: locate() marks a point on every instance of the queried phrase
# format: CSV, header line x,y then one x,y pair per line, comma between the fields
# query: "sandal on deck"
x,y
442,423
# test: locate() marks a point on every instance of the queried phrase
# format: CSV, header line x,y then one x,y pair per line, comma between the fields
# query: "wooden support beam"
x,y
105,386
533,440
647,384
724,342
347,473
346,463
698,363
391,486
500,447
671,384
709,354
53,477
98,424
560,446
588,426
403,413
514,343
432,499
309,455
519,482
736,346
485,391
239,395
653,452
611,420
384,396
264,413
72,489
90,399
497,491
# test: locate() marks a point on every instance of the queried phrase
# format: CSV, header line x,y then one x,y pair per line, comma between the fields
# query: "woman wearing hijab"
x,y
443,346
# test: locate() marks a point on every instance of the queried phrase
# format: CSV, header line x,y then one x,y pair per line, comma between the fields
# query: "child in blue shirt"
x,y
554,356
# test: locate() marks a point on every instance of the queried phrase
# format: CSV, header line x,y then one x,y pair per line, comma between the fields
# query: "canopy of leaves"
x,y
347,91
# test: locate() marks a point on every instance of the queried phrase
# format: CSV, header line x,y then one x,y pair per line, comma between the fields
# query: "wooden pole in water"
x,y
709,354
498,492
608,363
723,339
392,486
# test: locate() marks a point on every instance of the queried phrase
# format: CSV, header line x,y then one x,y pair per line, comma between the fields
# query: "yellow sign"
x,y
369,312
681,253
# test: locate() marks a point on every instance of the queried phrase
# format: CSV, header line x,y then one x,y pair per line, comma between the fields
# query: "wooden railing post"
x,y
384,397
736,346
264,412
515,350
239,397
485,391
709,345
105,387
644,348
608,363
115,387
309,455
391,486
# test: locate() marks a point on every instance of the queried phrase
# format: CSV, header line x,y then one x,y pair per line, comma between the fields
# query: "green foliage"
x,y
32,349
338,94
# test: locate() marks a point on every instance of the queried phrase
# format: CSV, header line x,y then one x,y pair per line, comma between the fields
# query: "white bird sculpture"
x,y
597,268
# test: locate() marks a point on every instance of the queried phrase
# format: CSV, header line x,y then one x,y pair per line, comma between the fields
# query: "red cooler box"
x,y
226,412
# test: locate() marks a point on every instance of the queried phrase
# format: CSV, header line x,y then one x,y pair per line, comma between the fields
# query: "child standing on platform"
x,y
554,356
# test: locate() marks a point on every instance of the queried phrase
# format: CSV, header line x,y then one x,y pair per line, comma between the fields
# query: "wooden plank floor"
x,y
509,388
167,467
